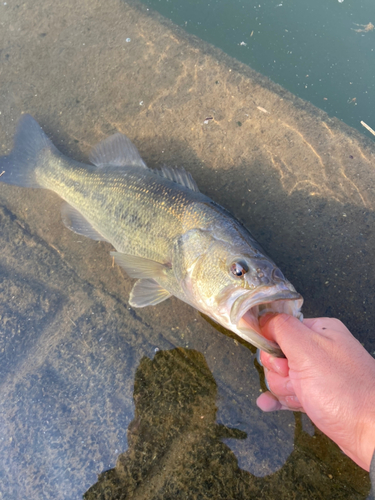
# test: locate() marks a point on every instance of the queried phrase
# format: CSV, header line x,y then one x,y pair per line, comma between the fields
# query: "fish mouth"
x,y
248,309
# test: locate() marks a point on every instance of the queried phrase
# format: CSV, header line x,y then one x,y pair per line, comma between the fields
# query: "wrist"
x,y
364,429
366,436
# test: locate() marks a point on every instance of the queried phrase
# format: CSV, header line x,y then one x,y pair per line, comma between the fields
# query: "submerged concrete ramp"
x,y
158,397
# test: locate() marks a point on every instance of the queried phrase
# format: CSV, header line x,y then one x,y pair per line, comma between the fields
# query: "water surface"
x,y
322,51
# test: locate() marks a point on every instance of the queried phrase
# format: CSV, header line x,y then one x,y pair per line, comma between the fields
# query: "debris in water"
x,y
263,110
368,127
364,28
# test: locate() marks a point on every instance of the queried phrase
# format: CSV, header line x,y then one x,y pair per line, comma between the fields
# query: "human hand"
x,y
327,374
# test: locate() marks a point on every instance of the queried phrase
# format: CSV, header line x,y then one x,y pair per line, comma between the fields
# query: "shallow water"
x,y
158,402
320,51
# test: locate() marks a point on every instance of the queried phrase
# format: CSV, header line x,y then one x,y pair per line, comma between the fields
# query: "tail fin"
x,y
19,167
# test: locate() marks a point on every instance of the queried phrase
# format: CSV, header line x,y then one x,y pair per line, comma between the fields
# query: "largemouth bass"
x,y
168,235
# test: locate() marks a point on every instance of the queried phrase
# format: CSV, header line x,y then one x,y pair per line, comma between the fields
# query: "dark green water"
x,y
310,48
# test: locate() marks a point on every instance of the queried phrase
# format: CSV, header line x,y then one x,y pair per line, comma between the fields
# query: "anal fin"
x,y
77,223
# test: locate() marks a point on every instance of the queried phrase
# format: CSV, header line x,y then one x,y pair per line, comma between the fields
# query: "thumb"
x,y
290,333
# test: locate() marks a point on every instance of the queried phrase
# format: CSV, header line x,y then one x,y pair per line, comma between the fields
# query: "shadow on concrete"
x,y
176,449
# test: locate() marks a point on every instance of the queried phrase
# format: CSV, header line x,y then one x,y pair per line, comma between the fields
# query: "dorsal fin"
x,y
180,176
116,151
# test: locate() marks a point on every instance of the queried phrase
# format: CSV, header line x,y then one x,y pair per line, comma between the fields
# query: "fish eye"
x,y
238,269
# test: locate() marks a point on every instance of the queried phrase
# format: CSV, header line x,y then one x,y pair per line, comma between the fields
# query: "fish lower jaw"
x,y
257,340
248,327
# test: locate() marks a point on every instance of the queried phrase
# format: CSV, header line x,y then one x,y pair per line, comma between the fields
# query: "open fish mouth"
x,y
247,310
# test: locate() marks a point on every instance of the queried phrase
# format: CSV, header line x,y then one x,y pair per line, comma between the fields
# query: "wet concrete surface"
x,y
91,387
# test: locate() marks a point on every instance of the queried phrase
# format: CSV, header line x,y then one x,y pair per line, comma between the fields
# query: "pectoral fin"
x,y
138,267
146,292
